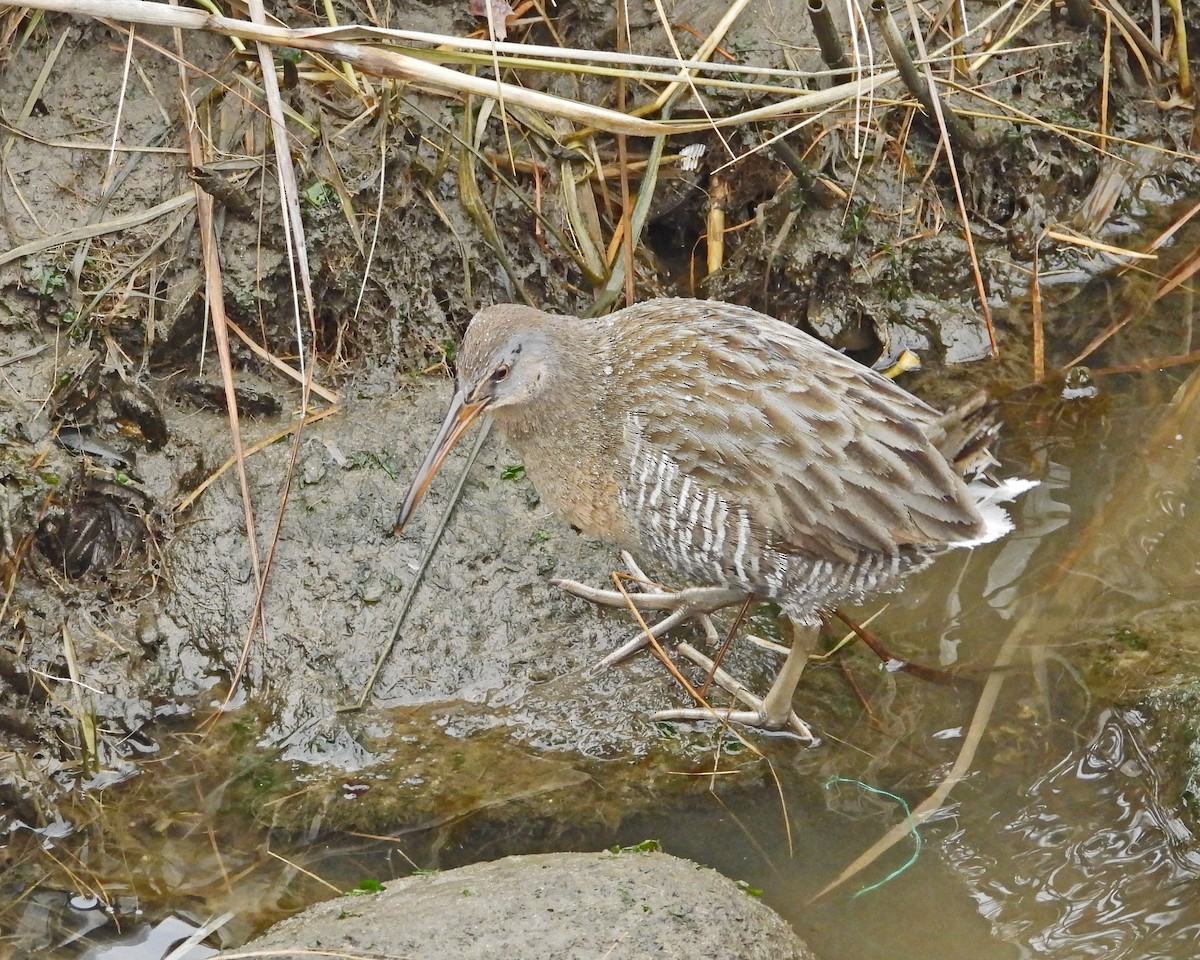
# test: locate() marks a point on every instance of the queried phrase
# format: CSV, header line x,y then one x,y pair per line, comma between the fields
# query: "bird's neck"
x,y
568,439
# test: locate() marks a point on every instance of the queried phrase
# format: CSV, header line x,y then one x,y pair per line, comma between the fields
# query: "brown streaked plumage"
x,y
726,447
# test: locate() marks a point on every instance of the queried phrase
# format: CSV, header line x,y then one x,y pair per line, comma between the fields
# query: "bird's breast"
x,y
576,479
582,495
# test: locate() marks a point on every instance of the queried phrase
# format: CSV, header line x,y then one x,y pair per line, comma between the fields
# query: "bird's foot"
x,y
772,713
683,605
763,714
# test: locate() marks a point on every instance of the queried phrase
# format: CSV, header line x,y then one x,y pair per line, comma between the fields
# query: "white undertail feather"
x,y
988,497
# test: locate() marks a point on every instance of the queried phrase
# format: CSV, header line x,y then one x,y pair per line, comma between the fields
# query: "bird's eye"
x,y
501,373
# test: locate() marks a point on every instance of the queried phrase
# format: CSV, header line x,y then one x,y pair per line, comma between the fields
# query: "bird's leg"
x,y
777,705
682,605
774,712
753,717
648,596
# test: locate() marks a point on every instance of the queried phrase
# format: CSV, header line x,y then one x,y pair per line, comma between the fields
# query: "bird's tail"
x,y
968,432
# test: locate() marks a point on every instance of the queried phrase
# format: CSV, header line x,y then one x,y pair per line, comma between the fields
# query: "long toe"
x,y
757,716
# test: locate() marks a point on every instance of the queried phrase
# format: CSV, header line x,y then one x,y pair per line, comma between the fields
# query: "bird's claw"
x,y
682,605
756,716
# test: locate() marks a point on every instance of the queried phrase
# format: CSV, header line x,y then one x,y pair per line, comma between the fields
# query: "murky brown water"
x,y
1065,839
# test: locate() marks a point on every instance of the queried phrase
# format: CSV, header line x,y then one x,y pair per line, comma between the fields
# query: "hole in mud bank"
x,y
676,235
333,333
205,395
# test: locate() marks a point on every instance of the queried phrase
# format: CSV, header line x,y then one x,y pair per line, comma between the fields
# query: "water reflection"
x,y
1094,861
55,923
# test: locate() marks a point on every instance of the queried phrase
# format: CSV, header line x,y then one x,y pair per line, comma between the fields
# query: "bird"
x,y
729,449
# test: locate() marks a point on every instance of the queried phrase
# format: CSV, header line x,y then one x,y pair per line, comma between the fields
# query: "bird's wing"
x,y
828,457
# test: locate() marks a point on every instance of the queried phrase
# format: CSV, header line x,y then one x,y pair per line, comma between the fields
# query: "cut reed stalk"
x,y
829,39
962,135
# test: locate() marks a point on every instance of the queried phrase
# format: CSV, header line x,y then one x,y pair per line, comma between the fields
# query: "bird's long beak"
x,y
458,418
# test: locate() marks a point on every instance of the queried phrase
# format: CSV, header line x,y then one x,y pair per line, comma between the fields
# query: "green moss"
x,y
1129,639
646,846
364,887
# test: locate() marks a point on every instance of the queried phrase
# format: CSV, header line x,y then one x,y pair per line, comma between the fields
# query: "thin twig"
x,y
419,575
124,222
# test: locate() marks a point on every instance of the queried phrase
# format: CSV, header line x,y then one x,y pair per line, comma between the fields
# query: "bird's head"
x,y
503,365
505,356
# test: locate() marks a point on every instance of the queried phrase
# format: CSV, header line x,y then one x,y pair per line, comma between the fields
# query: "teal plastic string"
x,y
912,829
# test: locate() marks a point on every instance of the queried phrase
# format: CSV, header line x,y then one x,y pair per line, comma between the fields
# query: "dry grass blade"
x,y
1174,227
84,145
298,260
391,63
633,222
294,952
696,83
1015,28
534,54
308,873
715,226
630,236
1030,625
707,48
369,253
215,299
1181,49
1138,41
39,85
329,396
1073,239
263,444
1129,316
85,714
955,133
1037,317
134,219
345,201
202,933
1183,271
584,228
924,90
1134,513
472,199
1147,366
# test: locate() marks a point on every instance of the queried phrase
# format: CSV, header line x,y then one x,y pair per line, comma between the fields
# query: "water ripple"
x,y
1095,862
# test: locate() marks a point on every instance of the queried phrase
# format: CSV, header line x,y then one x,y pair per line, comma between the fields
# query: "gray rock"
x,y
558,906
